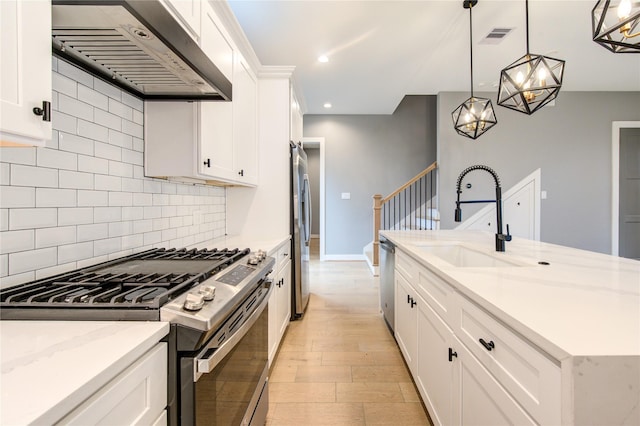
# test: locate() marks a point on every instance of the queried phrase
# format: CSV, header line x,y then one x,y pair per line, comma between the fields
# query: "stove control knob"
x,y
253,260
208,292
262,255
194,302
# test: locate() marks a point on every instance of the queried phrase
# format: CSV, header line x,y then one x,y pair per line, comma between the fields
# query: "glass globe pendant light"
x,y
530,82
616,25
475,116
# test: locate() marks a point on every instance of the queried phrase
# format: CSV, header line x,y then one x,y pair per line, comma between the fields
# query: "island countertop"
x,y
581,304
50,367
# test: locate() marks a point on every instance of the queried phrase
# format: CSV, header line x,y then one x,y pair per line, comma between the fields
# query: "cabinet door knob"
x,y
488,346
452,354
45,111
208,162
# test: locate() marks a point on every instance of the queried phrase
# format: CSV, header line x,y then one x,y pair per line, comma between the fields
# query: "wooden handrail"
x,y
409,183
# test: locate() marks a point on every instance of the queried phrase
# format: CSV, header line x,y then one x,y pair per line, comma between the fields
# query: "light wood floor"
x,y
339,365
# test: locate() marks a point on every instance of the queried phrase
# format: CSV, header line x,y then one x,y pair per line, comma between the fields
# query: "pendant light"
x,y
616,25
530,82
474,116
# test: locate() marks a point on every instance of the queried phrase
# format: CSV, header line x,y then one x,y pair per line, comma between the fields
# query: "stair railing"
x,y
411,206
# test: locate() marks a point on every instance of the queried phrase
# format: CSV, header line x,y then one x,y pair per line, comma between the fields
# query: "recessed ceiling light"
x,y
323,58
327,105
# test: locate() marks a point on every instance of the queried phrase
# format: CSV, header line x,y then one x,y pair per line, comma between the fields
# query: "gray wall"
x,y
313,170
571,144
367,155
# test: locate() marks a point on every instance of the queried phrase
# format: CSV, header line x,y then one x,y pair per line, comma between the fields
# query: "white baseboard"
x,y
350,257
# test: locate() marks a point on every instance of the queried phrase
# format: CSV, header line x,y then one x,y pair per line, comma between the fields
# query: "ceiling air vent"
x,y
496,35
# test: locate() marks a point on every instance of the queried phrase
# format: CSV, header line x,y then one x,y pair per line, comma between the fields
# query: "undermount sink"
x,y
464,257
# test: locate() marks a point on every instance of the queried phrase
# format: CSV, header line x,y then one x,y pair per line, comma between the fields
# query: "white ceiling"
x,y
380,51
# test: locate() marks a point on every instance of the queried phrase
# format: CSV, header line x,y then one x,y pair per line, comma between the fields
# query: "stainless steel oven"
x,y
216,302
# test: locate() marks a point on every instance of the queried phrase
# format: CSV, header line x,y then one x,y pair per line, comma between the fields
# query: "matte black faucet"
x,y
500,237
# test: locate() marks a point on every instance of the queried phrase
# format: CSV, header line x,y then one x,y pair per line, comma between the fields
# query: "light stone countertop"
x,y
50,367
269,245
581,304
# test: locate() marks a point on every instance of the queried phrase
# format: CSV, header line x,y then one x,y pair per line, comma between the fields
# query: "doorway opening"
x,y
314,147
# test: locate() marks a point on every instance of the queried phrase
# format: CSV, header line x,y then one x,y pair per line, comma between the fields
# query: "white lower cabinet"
x,y
469,368
280,300
138,395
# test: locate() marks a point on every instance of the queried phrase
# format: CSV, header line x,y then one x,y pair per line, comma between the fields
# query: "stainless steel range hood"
x,y
138,46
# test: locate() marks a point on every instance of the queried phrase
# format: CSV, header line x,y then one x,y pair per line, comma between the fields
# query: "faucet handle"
x,y
508,236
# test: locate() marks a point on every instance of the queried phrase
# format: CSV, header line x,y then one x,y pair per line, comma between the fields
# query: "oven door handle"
x,y
206,365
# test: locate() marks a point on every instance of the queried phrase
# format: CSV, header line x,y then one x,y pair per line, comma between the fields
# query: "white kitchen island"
x,y
561,337
59,370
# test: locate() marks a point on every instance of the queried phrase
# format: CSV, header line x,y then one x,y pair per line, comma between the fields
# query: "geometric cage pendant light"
x,y
475,116
617,26
530,82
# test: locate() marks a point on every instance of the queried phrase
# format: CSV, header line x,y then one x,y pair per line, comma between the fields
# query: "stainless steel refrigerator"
x,y
300,230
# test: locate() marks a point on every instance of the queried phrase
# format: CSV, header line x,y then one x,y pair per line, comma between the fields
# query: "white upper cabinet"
x,y
215,42
245,122
25,72
188,13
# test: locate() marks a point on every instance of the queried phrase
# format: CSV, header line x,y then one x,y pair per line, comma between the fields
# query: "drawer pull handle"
x,y
413,303
408,299
488,346
452,354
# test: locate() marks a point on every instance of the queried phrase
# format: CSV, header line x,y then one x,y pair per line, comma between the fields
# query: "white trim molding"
x,y
615,180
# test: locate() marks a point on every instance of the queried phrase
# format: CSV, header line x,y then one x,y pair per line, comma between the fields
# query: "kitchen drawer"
x,y
407,266
437,293
138,395
527,374
283,254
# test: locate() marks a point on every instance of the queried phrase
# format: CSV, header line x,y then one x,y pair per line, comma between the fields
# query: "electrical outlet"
x,y
346,195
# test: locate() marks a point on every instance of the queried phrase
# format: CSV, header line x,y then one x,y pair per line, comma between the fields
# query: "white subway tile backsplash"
x,y
75,216
53,158
107,183
64,85
132,185
72,106
52,197
107,214
54,101
76,180
26,156
93,97
93,165
75,252
107,246
84,198
133,102
132,213
120,139
4,220
75,143
17,196
51,237
133,129
93,198
117,168
74,73
64,122
110,152
119,229
132,157
142,199
107,119
120,109
32,218
93,131
91,232
152,237
31,260
15,241
120,199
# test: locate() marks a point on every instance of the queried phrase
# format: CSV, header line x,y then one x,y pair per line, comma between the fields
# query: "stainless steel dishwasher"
x,y
387,265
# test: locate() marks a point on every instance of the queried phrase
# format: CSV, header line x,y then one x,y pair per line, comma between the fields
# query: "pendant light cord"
x,y
471,44
526,14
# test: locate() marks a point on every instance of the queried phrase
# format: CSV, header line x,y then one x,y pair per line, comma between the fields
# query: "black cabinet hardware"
x,y
45,111
241,172
413,303
408,299
208,162
488,346
452,354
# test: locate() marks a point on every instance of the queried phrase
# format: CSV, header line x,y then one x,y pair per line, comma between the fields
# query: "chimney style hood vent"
x,y
138,46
